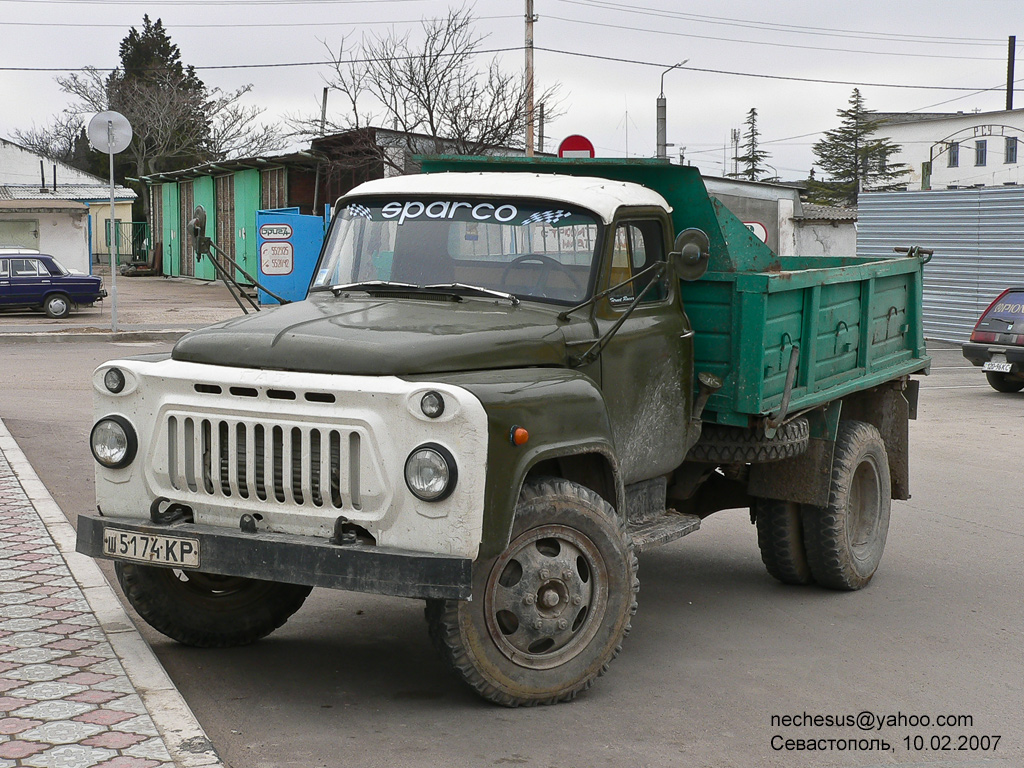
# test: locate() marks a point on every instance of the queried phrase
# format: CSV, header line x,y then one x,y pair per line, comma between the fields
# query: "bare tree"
x,y
433,90
55,141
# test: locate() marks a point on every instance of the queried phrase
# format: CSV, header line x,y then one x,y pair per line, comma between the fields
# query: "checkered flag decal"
x,y
355,209
546,217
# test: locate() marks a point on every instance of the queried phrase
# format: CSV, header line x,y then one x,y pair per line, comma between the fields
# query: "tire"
x,y
205,610
1001,382
57,306
780,537
844,541
721,444
549,614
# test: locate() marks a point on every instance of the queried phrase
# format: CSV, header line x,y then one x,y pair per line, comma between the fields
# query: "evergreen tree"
x,y
753,157
853,158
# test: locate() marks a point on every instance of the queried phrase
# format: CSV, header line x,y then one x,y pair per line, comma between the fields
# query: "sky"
x,y
796,62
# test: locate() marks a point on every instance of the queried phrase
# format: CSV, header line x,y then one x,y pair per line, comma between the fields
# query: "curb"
x,y
184,737
121,336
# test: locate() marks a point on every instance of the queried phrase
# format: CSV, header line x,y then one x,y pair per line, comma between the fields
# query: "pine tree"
x,y
854,159
753,157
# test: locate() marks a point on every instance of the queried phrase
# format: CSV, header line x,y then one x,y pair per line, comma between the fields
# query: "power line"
x,y
774,45
274,25
758,75
576,54
776,27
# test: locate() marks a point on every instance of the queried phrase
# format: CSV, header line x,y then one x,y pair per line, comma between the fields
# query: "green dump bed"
x,y
855,322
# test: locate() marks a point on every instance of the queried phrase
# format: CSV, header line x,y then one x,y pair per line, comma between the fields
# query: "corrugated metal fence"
x,y
978,238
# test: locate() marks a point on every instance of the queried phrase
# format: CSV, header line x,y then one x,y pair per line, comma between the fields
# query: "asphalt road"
x,y
717,649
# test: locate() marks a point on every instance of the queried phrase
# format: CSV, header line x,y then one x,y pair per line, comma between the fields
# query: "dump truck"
x,y
511,377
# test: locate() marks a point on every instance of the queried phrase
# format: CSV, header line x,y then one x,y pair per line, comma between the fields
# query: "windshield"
x,y
534,250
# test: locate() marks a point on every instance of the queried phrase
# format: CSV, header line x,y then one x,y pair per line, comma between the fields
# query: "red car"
x,y
997,342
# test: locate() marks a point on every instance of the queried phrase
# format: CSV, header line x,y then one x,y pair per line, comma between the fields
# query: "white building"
x,y
958,150
52,207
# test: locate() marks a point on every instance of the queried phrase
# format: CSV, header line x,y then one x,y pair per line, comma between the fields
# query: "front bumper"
x,y
298,559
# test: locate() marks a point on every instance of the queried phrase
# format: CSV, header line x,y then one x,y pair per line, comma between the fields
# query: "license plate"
x,y
992,365
151,548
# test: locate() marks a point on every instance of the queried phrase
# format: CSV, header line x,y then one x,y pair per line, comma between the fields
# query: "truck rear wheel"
x,y
780,537
206,610
845,540
549,614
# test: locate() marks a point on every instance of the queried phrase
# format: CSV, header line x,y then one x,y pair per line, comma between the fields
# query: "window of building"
x,y
980,152
274,188
954,154
1011,149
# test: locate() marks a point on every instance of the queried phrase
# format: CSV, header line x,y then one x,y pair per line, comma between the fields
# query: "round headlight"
x,y
432,405
114,380
113,442
430,472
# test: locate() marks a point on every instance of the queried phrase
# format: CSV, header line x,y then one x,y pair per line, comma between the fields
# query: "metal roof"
x,y
78,192
812,212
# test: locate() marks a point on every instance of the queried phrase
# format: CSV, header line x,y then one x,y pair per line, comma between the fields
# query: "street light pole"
x,y
662,145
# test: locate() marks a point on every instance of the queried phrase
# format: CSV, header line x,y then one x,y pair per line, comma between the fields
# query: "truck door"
x,y
646,368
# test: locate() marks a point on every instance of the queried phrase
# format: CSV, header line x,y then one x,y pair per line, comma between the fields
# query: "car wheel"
x,y
1001,382
549,614
780,537
57,305
205,610
844,540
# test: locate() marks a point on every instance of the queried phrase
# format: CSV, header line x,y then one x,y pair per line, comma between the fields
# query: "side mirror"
x,y
689,259
197,229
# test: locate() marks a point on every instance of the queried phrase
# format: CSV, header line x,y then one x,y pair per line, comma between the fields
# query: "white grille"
x,y
271,462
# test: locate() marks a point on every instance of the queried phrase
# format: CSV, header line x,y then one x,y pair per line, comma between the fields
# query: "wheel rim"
x,y
865,506
223,591
546,596
58,306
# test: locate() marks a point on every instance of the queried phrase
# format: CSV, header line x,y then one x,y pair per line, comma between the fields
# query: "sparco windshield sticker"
x,y
355,209
447,209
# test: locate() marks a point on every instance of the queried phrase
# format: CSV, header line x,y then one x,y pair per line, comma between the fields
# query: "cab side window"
x,y
638,245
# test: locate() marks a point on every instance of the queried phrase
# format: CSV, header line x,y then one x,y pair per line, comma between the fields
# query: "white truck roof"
x,y
602,196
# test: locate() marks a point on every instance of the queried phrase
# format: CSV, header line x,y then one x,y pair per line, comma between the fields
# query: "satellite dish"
x,y
110,132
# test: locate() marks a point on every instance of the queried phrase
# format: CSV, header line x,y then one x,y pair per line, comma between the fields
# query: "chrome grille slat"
x,y
263,462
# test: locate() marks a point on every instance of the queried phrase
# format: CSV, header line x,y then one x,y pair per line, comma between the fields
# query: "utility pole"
x,y
530,18
1011,54
540,128
662,145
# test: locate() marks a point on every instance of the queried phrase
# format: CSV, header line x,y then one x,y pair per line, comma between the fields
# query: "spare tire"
x,y
723,444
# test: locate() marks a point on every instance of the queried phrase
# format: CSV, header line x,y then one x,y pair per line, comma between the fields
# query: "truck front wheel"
x,y
844,540
206,610
780,537
549,614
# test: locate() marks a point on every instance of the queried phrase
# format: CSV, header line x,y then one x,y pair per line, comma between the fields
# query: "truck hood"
x,y
362,335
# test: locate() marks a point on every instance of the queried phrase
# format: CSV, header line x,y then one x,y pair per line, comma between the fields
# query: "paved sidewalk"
x,y
79,687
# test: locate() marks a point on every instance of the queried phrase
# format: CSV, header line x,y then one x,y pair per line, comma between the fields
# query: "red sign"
x,y
575,146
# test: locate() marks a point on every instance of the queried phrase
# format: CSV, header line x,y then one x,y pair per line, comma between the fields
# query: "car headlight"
x,y
430,472
113,442
114,380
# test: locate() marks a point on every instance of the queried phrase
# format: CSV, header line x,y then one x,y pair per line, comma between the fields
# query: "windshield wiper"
x,y
371,285
474,289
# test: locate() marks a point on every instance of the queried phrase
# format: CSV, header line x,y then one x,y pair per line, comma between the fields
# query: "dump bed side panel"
x,y
854,323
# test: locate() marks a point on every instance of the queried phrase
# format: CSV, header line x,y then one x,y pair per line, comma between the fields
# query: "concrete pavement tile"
x,y
17,750
54,710
104,716
152,749
62,732
114,740
70,756
10,726
46,691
